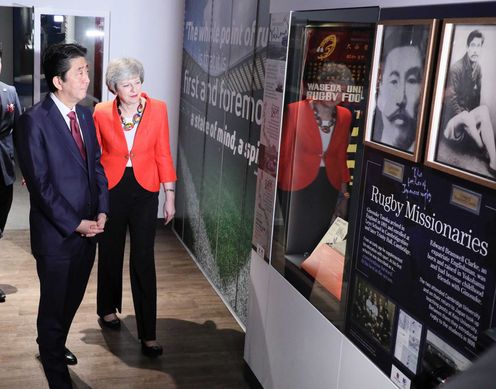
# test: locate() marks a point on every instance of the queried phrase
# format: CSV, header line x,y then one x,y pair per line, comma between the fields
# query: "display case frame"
x,y
343,39
449,136
399,129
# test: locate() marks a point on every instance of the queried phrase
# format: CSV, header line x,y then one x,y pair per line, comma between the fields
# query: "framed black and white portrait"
x,y
399,86
461,137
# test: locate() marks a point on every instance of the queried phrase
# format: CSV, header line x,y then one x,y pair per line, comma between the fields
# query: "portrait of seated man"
x,y
466,124
399,86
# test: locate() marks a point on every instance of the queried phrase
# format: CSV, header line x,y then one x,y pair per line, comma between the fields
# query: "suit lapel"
x,y
61,127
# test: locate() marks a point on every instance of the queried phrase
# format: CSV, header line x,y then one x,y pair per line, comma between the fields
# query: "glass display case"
x,y
393,250
324,103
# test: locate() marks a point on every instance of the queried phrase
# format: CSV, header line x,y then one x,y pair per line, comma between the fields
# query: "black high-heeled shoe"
x,y
151,351
114,324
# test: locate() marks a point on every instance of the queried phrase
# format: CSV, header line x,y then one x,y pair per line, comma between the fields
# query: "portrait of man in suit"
x,y
60,159
466,119
399,87
10,110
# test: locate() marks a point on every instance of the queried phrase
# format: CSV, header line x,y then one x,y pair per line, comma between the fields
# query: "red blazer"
x,y
151,157
301,148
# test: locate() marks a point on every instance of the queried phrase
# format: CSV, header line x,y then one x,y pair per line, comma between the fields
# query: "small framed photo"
x,y
399,82
461,138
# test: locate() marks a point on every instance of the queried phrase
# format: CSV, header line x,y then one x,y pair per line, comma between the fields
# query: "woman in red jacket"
x,y
133,133
313,166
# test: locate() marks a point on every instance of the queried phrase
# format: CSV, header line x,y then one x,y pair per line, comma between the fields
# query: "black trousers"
x,y
135,208
63,281
307,214
6,194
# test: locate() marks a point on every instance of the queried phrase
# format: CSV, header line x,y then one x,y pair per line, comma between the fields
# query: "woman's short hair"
x,y
333,72
120,69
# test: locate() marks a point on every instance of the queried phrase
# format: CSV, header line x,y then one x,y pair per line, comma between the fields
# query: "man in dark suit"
x,y
60,159
10,110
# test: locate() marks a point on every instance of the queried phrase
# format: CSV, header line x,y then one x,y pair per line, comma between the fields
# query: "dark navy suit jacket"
x,y
10,110
64,189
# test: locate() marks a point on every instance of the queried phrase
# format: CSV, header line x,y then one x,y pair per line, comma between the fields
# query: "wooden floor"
x,y
203,344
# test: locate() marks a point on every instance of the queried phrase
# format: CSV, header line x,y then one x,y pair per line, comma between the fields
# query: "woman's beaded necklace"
x,y
324,125
128,126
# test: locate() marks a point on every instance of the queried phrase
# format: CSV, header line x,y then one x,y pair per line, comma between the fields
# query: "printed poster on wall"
x,y
275,66
424,287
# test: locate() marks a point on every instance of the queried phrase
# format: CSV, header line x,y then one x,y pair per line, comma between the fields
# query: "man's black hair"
x,y
57,61
404,36
474,34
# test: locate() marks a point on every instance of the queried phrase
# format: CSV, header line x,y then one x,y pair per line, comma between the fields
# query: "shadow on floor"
x,y
195,355
8,289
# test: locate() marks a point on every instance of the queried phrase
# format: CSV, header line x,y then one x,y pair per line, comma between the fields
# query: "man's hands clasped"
x,y
91,228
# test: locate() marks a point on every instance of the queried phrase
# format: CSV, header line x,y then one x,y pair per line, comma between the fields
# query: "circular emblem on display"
x,y
327,46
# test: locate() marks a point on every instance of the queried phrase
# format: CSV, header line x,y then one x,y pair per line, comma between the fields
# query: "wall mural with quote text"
x,y
219,131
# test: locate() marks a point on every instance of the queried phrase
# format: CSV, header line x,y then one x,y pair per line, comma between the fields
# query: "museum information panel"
x,y
424,272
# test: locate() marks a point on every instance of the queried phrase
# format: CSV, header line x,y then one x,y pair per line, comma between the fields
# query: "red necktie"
x,y
76,133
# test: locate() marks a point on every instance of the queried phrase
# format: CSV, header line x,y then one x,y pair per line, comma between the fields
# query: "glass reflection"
x,y
85,30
